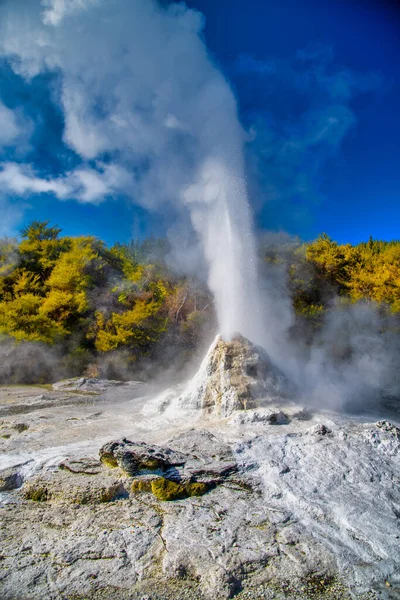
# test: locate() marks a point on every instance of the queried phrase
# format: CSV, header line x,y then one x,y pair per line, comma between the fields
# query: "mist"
x,y
350,360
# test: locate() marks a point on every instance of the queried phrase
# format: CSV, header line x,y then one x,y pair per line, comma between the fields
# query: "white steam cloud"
x,y
150,116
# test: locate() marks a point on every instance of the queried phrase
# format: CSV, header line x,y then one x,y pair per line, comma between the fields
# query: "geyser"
x,y
150,116
220,214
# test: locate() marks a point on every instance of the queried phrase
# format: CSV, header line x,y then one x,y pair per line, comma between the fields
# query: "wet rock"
x,y
201,443
208,460
45,401
10,479
87,466
389,428
319,430
211,473
133,457
169,473
384,437
84,384
303,414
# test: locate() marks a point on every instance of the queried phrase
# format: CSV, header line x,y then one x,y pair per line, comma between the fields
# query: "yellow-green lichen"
x,y
109,460
167,490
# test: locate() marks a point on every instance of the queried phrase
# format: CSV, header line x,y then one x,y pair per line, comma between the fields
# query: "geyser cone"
x,y
234,375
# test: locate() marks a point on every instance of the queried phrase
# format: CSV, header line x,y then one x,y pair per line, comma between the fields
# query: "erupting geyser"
x,y
220,214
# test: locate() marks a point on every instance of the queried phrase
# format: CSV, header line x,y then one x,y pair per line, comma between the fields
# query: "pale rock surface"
x,y
299,505
92,385
303,507
235,375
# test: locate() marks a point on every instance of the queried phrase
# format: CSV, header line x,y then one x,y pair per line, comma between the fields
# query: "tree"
x,y
38,231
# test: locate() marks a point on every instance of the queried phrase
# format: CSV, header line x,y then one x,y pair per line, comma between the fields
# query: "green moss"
x,y
141,485
37,494
198,489
167,490
20,427
320,586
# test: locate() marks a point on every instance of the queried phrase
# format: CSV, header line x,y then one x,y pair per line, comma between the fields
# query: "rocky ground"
x,y
102,498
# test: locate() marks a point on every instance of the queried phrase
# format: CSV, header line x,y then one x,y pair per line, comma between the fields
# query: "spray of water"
x,y
150,116
220,214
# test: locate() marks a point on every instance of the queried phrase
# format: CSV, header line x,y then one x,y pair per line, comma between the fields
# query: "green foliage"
x,y
92,300
55,288
322,270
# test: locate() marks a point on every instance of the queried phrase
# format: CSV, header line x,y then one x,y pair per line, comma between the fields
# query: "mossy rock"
x,y
167,490
109,460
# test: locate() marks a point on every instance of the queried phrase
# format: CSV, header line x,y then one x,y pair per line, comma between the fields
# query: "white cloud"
x,y
13,126
83,184
56,10
135,81
21,180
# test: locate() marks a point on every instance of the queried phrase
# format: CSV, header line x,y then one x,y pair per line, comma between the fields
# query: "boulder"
x,y
10,479
265,416
61,487
166,471
133,457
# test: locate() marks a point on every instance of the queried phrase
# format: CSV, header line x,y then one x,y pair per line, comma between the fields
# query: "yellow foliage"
x,y
22,319
26,282
130,327
71,270
368,271
60,305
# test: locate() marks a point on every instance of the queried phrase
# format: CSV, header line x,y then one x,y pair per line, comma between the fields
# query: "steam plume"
x,y
150,116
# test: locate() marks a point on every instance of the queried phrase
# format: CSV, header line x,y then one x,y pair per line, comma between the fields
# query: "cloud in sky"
x,y
134,83
55,10
139,97
9,128
83,184
14,127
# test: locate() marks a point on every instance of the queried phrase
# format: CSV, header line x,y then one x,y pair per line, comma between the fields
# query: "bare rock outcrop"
x,y
235,375
304,514
167,473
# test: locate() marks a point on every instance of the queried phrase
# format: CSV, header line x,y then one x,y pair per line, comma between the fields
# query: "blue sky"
x,y
318,90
